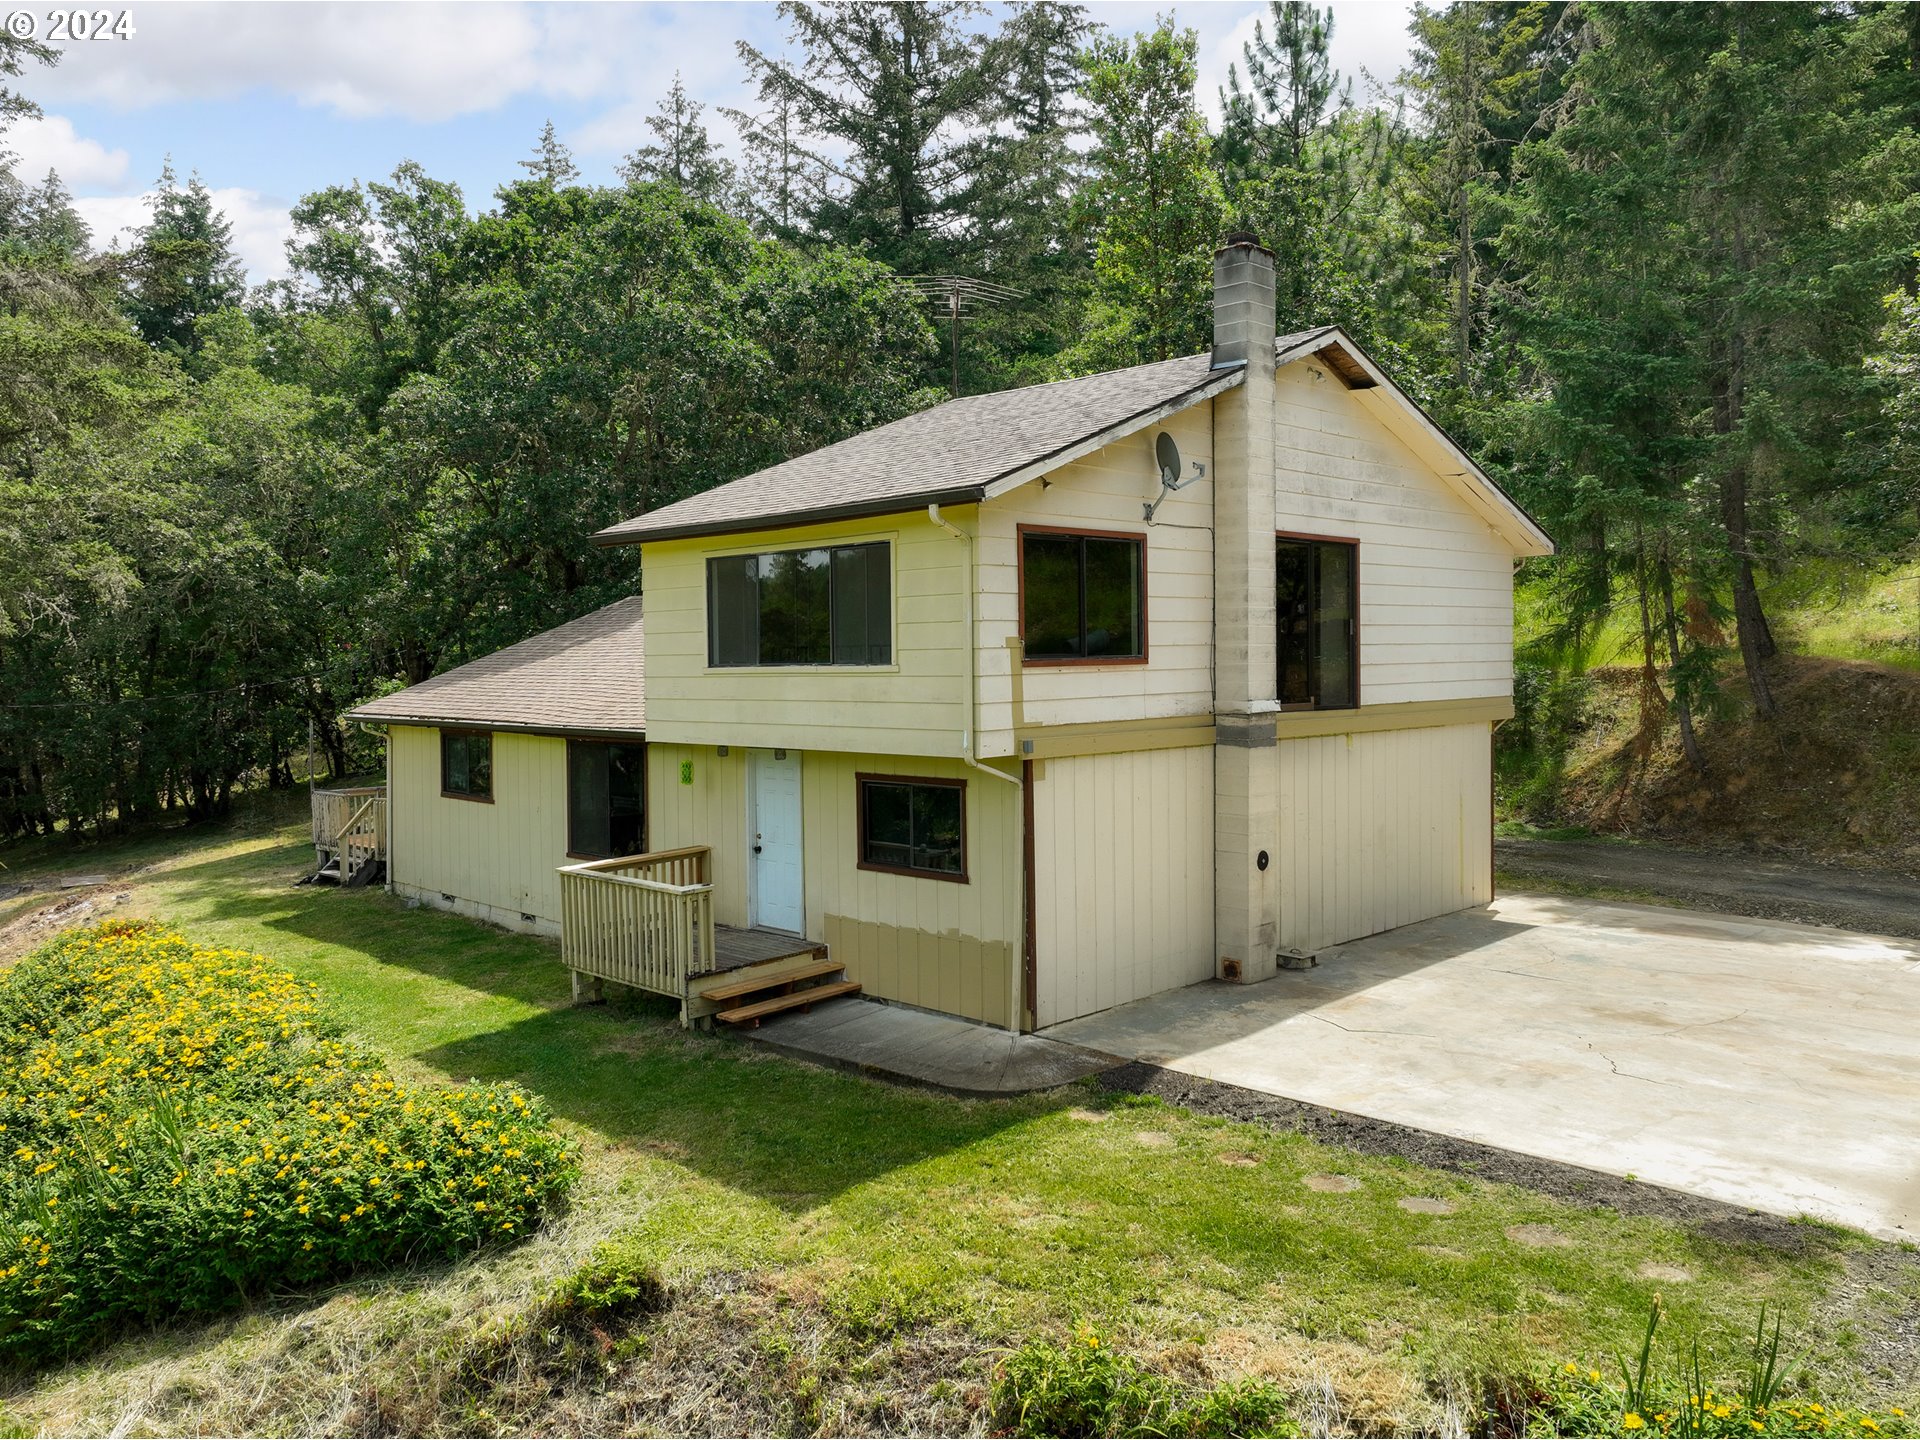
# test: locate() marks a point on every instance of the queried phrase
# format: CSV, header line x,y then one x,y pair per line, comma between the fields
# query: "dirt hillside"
x,y
1836,778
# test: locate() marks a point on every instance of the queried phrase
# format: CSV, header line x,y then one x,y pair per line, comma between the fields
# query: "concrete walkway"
x,y
1771,1065
894,1043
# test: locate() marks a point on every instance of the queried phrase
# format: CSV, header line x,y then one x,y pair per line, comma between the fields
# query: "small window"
x,y
606,799
913,827
1082,597
1319,622
466,764
827,606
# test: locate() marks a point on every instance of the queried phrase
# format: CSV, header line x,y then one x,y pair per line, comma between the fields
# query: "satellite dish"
x,y
1167,454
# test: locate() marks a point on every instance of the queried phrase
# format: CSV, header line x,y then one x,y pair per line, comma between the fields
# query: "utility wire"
x,y
239,689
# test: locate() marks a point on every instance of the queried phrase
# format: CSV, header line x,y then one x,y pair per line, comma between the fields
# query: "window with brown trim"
x,y
1317,605
466,764
1083,596
913,826
829,605
606,799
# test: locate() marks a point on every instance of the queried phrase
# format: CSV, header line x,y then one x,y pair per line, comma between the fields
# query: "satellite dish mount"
x,y
1166,455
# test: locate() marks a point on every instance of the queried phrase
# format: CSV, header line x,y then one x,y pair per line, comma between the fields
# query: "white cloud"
x,y
50,143
260,225
425,62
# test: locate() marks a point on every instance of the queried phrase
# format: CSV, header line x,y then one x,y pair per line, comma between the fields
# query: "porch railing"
x,y
641,920
351,825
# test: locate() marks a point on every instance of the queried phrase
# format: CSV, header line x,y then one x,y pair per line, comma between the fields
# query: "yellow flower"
x,y
1593,1375
1631,1421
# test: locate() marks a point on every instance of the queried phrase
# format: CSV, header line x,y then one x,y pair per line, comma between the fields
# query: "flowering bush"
x,y
181,1129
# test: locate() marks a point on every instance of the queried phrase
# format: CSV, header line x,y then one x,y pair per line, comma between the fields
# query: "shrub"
x,y
1085,1388
610,1287
181,1129
1651,1399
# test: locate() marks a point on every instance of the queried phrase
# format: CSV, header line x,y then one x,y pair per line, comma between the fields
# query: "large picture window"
x,y
1083,597
1318,608
466,764
606,799
827,606
911,826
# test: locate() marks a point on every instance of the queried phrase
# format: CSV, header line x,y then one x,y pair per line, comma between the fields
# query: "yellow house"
x,y
1019,708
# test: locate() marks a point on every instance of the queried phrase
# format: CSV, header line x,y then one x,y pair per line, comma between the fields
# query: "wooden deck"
x,y
734,948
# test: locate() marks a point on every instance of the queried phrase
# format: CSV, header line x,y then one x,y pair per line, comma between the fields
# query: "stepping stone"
x,y
1155,1139
1653,1271
1238,1158
1090,1117
1538,1236
1424,1205
1331,1184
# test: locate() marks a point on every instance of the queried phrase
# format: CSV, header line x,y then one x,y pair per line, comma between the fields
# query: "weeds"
x,y
1085,1388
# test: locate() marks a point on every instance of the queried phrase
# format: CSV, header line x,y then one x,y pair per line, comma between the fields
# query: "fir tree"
x,y
182,267
683,154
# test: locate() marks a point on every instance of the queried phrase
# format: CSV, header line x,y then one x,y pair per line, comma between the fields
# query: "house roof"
x,y
587,677
981,446
948,455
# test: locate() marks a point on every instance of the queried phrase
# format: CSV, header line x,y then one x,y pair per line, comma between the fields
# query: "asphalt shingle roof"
x,y
585,677
946,455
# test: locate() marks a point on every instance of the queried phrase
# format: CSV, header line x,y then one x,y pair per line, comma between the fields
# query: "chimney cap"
x,y
1236,238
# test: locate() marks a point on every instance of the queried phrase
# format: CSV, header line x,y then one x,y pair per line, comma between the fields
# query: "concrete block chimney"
x,y
1246,680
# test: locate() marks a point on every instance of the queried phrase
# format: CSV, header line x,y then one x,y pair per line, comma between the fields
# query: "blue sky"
x,y
267,101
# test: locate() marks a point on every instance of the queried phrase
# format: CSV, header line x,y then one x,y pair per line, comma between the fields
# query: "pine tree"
x,y
182,266
551,162
781,181
887,93
50,224
684,155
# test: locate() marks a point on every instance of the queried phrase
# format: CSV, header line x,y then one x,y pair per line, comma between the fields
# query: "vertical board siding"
x,y
916,706
1378,830
1123,878
502,860
1436,583
1106,490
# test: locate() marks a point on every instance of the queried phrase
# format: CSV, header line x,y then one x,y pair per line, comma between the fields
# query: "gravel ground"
x,y
1877,903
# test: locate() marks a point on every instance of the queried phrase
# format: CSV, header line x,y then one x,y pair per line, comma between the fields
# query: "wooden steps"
x,y
791,1000
755,986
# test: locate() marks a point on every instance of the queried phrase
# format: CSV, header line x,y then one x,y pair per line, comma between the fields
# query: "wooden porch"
x,y
349,836
646,922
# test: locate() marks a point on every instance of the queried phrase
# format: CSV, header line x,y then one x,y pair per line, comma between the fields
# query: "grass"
x,y
850,1255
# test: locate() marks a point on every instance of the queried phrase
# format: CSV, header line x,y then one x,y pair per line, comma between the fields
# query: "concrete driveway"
x,y
1763,1063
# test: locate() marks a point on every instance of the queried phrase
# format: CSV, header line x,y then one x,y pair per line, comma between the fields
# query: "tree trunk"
x,y
1750,618
1682,706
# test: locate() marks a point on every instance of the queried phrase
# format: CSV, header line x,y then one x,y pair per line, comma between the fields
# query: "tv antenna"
x,y
958,296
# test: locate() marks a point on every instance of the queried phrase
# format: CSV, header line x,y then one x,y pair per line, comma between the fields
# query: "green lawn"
x,y
860,1215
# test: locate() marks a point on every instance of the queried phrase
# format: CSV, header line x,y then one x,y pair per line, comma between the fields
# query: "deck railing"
x,y
351,825
641,920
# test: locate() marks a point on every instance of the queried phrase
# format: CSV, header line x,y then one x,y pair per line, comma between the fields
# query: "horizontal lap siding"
x,y
1123,878
710,809
1436,589
938,944
1106,491
917,706
1381,829
502,857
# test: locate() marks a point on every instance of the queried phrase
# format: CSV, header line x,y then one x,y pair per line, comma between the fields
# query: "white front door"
x,y
773,838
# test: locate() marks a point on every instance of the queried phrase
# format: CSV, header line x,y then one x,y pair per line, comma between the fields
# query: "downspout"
x,y
1016,974
973,683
